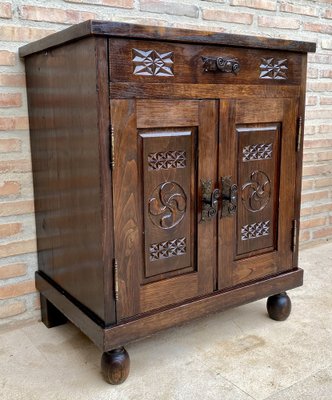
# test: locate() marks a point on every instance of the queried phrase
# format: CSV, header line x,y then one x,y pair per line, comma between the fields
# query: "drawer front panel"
x,y
156,62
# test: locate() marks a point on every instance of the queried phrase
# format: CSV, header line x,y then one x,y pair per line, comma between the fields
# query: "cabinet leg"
x,y
50,315
279,306
115,365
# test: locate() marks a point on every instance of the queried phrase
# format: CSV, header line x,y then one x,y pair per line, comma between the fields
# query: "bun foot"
x,y
279,306
115,366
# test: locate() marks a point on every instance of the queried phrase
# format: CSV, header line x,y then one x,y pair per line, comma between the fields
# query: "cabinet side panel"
x,y
63,119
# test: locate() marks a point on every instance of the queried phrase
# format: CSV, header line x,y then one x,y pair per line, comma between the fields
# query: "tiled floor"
x,y
239,354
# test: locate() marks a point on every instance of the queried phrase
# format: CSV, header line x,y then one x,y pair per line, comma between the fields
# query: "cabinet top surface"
x,y
119,29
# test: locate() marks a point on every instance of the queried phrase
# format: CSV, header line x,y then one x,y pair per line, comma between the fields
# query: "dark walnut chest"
x,y
167,176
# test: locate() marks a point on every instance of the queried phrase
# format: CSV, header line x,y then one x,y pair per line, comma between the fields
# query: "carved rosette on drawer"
x,y
273,68
258,165
167,160
152,63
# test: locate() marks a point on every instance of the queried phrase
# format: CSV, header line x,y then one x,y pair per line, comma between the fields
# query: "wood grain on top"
x,y
119,29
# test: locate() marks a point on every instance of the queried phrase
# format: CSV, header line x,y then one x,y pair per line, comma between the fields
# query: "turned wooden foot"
x,y
50,315
279,306
115,365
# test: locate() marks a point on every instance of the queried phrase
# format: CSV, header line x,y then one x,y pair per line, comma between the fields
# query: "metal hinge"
x,y
112,147
116,279
299,134
295,230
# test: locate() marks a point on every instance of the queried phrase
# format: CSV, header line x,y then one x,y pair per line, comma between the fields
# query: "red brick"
x,y
258,4
324,156
172,8
278,22
304,236
323,182
308,157
12,229
15,166
310,170
183,25
13,123
10,100
9,188
312,72
306,185
311,100
22,33
320,86
322,128
319,58
6,10
318,114
306,211
314,196
317,27
15,248
16,207
10,145
313,223
326,73
12,309
317,143
310,129
13,270
322,233
56,15
226,16
327,14
7,57
107,3
12,80
326,101
298,9
321,208
17,289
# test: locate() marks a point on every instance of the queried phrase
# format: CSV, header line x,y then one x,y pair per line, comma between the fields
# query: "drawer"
x,y
157,62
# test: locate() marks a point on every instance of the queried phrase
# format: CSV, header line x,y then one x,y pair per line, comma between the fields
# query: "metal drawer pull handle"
x,y
229,197
209,200
223,64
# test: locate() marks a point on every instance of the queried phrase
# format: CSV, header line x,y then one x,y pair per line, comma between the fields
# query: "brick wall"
x,y
22,21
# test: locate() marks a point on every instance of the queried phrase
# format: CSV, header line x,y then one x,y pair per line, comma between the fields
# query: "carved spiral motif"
x,y
167,205
257,192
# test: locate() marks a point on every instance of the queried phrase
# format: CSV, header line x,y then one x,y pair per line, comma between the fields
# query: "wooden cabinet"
x,y
167,176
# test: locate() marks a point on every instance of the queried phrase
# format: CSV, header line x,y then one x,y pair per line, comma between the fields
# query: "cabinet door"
x,y
258,153
162,151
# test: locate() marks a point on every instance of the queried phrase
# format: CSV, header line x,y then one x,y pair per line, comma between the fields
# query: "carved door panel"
x,y
258,154
162,151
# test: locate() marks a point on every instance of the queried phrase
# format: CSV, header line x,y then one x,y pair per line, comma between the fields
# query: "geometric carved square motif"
x,y
167,160
169,248
260,151
273,68
150,62
255,230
